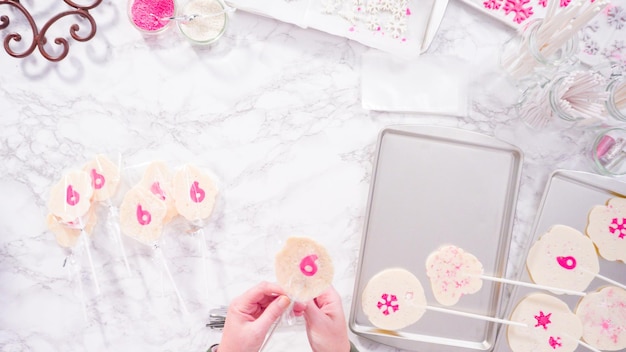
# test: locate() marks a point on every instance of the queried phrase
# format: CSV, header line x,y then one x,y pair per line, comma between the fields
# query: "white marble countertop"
x,y
273,110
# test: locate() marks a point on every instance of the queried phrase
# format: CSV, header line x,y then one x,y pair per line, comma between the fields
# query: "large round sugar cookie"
x,y
563,258
141,215
393,299
194,193
603,314
551,325
607,229
303,268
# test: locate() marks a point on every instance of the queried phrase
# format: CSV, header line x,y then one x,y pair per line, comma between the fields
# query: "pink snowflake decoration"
x,y
543,3
521,13
388,304
554,343
493,4
564,3
618,227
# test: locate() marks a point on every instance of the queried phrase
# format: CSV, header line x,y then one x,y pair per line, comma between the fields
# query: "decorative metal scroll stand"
x,y
39,35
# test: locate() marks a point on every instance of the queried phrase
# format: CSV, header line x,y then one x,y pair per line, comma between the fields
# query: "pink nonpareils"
x,y
148,15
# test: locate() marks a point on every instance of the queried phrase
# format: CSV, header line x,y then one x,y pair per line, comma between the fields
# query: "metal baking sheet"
x,y
567,200
433,186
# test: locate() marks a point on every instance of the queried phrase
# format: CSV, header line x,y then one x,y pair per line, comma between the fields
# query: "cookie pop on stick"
x,y
454,272
603,315
194,198
550,325
141,217
157,178
67,237
607,229
394,298
105,179
304,270
564,257
70,200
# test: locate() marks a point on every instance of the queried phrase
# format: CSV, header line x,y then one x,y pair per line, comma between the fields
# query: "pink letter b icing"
x,y
196,193
71,196
568,263
307,265
97,180
143,216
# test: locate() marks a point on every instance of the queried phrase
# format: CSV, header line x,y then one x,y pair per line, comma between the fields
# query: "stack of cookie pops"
x,y
71,213
562,261
158,198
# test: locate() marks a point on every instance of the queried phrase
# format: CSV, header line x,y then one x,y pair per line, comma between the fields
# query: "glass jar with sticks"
x,y
616,100
546,44
576,96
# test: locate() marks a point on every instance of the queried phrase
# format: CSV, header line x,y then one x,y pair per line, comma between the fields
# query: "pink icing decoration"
x,y
408,11
618,227
156,189
143,216
388,304
543,320
568,263
146,14
554,343
307,265
196,193
97,180
517,7
71,196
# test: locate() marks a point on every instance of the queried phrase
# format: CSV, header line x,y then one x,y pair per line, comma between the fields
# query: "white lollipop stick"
x,y
587,346
290,315
606,279
203,249
115,223
475,316
86,243
159,253
527,284
76,272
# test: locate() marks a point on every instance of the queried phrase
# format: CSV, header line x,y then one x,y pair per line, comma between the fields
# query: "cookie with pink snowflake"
x,y
563,258
304,269
453,273
607,229
551,326
603,314
393,299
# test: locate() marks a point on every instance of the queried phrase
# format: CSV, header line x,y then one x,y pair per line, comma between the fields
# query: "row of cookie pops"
x,y
145,208
599,320
394,299
563,260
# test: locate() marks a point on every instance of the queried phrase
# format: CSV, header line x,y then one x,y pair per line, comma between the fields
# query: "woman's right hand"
x,y
326,325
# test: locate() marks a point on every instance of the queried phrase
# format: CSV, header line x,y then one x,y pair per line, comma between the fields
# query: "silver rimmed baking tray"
x,y
567,200
433,186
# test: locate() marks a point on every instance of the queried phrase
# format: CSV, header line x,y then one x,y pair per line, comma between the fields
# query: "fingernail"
x,y
283,302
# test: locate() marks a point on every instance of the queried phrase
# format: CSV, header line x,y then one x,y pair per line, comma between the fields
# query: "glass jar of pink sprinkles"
x,y
151,16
